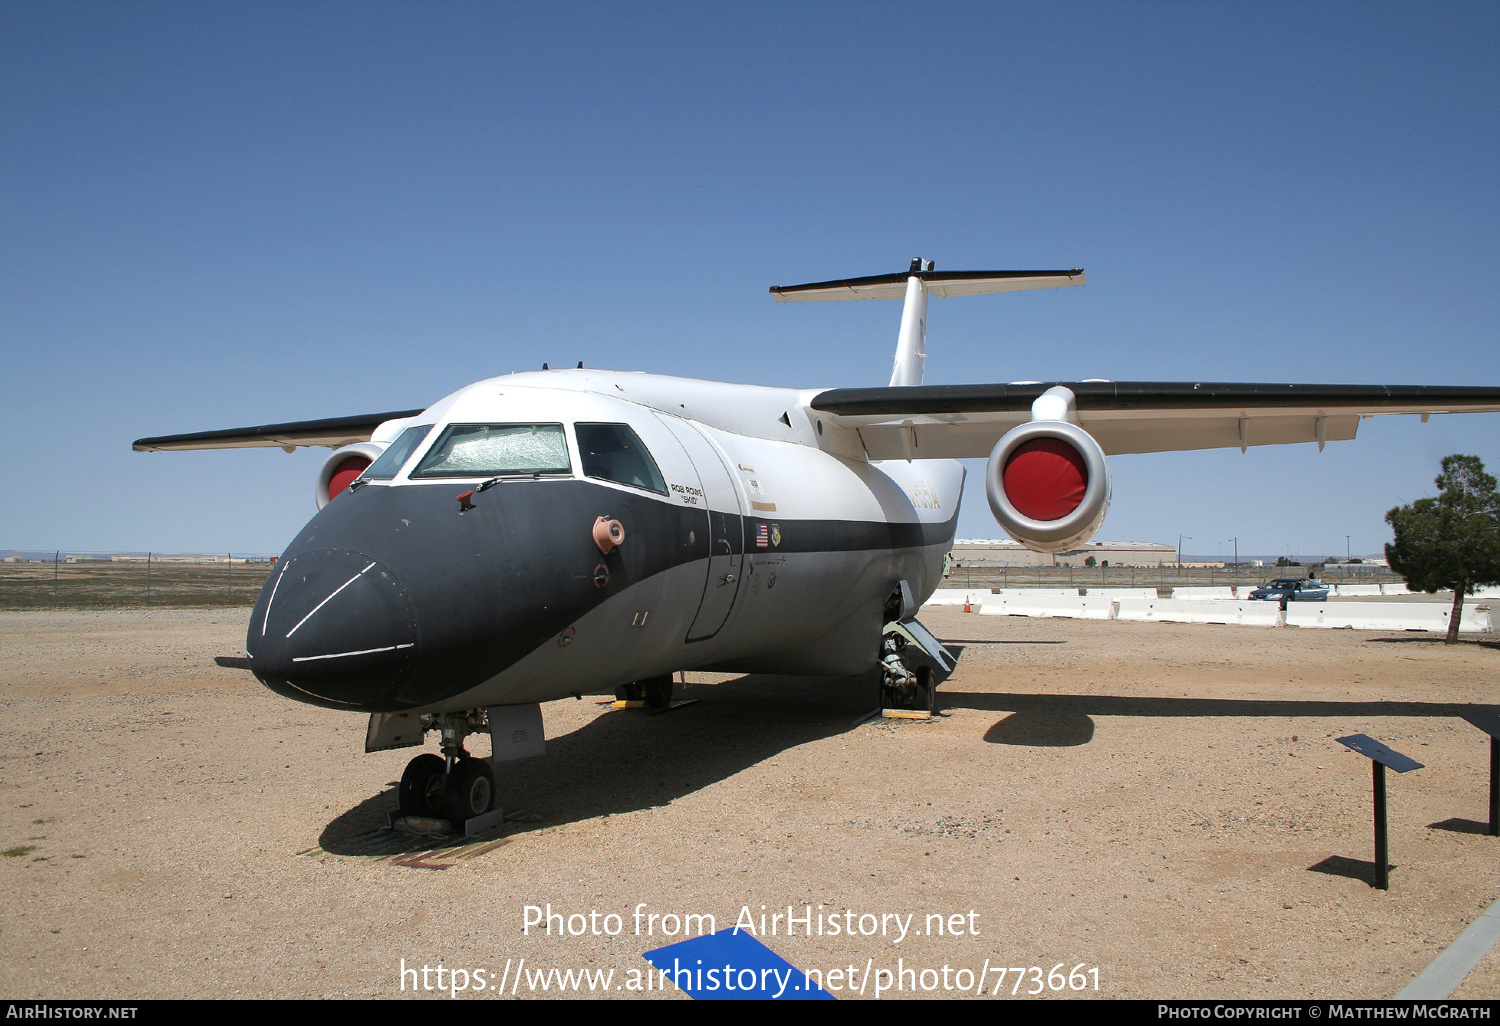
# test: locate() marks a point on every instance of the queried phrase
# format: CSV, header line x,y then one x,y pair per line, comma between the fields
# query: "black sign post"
x,y
1490,724
1380,757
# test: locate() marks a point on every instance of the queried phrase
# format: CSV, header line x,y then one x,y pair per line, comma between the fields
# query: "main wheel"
x,y
470,791
924,695
658,691
632,692
421,791
918,696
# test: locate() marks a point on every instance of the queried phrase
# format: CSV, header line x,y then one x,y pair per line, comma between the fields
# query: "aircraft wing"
x,y
331,432
959,421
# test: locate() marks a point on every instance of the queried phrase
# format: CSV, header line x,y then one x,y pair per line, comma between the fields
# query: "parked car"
x,y
1292,589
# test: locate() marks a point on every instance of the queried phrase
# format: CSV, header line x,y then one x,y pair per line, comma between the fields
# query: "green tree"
x,y
1453,540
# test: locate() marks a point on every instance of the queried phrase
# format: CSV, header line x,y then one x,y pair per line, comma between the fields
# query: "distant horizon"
x,y
28,554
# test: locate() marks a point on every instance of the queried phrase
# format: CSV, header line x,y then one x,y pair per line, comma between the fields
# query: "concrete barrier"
x,y
1489,592
1064,606
957,597
1395,589
1053,592
1225,592
1369,616
1346,590
1385,616
1173,610
1120,593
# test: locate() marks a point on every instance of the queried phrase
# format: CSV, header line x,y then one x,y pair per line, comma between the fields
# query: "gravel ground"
x,y
1165,803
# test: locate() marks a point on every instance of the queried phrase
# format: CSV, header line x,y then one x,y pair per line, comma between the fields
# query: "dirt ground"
x,y
1165,804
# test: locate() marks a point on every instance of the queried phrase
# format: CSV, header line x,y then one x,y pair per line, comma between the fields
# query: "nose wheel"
x,y
470,791
430,789
421,791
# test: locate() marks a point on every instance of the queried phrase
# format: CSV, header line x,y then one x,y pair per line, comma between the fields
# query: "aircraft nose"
x,y
336,626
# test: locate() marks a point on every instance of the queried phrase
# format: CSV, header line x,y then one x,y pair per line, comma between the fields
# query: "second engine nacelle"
x,y
346,464
1048,485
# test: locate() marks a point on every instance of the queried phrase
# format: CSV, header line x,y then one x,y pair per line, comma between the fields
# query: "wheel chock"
x,y
422,826
478,826
678,704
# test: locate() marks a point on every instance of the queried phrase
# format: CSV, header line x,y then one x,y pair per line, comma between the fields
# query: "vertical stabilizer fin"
x,y
911,342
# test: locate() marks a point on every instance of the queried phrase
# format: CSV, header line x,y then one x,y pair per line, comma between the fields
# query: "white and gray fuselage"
x,y
767,543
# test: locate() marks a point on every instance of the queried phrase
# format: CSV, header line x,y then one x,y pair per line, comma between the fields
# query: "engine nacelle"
x,y
1048,485
343,467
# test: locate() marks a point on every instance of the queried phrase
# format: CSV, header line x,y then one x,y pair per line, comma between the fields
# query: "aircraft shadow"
x,y
627,761
1050,721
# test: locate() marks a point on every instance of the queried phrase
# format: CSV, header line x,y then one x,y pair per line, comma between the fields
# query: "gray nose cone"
x,y
336,626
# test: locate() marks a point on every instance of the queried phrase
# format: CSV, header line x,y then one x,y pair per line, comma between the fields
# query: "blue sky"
x,y
221,214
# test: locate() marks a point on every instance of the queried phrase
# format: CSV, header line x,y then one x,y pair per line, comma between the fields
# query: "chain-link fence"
x,y
74,580
1163,578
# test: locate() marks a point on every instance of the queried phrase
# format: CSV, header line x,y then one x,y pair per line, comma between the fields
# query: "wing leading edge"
x,y
960,421
331,432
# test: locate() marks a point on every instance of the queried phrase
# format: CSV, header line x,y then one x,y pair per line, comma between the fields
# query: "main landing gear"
x,y
912,665
655,692
454,786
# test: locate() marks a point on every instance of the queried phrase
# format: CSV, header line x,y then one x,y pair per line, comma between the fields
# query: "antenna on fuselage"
x,y
914,286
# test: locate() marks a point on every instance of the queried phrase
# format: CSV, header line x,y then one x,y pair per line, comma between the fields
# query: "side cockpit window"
x,y
389,463
612,452
496,450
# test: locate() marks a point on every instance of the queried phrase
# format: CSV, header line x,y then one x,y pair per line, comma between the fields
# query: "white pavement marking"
x,y
1448,970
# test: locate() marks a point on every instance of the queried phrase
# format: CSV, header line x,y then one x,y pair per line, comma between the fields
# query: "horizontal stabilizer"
x,y
331,432
939,284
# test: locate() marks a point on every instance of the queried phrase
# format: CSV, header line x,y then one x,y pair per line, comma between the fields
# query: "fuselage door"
x,y
726,539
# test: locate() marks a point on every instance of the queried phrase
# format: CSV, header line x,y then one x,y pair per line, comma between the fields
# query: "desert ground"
x,y
1164,804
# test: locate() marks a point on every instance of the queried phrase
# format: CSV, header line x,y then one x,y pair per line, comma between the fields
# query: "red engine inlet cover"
x,y
346,472
1045,479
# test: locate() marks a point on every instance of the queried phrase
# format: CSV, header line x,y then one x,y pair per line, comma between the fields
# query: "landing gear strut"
x,y
912,665
454,786
902,687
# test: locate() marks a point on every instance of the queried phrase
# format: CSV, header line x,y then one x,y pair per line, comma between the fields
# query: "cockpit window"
x,y
612,452
388,465
492,450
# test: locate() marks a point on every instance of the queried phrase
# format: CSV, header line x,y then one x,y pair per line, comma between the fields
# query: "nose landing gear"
x,y
454,786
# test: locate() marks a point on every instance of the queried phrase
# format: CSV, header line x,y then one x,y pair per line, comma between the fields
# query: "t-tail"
x,y
915,285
